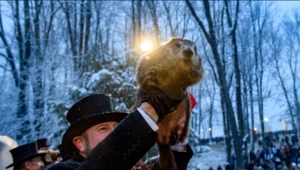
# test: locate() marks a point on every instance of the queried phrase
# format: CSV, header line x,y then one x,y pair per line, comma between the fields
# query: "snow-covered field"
x,y
212,155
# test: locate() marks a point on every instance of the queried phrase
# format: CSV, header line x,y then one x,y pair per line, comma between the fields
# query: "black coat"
x,y
181,158
120,150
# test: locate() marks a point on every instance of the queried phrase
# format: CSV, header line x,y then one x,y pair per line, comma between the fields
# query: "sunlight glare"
x,y
146,45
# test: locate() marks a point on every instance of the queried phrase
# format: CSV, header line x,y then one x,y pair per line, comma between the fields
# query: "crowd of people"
x,y
276,153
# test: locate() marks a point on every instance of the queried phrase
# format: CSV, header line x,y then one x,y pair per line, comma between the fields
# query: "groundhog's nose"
x,y
188,52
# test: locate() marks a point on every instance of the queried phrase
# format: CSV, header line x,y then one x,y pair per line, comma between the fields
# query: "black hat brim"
x,y
81,125
25,159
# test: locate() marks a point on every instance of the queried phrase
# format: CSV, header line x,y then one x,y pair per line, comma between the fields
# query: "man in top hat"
x,y
100,138
42,144
27,157
51,156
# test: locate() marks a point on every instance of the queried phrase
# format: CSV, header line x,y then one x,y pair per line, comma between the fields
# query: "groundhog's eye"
x,y
195,49
177,44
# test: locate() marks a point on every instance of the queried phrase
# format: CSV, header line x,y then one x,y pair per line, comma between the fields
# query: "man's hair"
x,y
19,166
85,136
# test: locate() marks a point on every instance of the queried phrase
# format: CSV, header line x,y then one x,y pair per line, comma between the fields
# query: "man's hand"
x,y
162,103
174,121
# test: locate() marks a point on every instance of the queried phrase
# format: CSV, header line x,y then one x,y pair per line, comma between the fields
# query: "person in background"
x,y
219,167
100,138
6,144
27,157
51,156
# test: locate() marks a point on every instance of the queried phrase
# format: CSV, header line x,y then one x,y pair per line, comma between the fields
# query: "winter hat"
x,y
85,113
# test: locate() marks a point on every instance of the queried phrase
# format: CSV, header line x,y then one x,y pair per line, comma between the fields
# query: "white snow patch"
x,y
212,155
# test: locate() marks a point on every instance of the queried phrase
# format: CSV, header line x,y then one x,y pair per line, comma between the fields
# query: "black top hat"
x,y
23,153
86,113
41,143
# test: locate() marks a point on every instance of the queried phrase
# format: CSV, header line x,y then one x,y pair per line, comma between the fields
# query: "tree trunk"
x,y
258,74
133,25
81,32
211,38
236,67
10,56
86,56
227,134
22,111
252,113
72,36
38,87
139,17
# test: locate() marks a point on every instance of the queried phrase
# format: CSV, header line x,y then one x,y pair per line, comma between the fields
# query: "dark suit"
x,y
120,150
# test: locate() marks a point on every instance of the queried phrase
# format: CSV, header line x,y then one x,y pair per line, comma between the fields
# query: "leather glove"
x,y
162,103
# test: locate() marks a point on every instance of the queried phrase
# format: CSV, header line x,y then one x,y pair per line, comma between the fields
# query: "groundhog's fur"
x,y
170,69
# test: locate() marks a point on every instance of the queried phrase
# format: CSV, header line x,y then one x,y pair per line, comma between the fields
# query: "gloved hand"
x,y
162,103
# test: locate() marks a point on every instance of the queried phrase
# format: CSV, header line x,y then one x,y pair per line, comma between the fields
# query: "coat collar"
x,y
77,158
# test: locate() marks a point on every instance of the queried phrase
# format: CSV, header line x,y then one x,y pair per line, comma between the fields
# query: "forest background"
x,y
52,53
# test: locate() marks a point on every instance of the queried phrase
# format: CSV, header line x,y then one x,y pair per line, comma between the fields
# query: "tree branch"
x,y
198,20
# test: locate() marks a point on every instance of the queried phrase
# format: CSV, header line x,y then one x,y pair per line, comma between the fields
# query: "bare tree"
x,y
291,27
38,83
277,49
233,27
211,92
152,5
211,39
260,17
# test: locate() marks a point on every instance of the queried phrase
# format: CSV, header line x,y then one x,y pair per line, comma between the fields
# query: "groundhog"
x,y
164,75
170,69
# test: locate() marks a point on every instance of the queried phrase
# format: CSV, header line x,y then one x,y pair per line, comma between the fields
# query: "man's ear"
x,y
27,165
79,142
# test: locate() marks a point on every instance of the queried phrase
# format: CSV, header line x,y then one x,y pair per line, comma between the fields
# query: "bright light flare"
x,y
255,129
266,119
209,129
146,45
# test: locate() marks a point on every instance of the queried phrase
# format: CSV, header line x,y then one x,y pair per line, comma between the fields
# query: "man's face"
x,y
34,164
96,134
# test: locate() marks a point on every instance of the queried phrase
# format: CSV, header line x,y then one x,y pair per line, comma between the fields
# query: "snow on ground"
x,y
212,155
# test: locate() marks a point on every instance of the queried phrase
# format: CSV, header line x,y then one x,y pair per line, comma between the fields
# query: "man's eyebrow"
x,y
101,124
